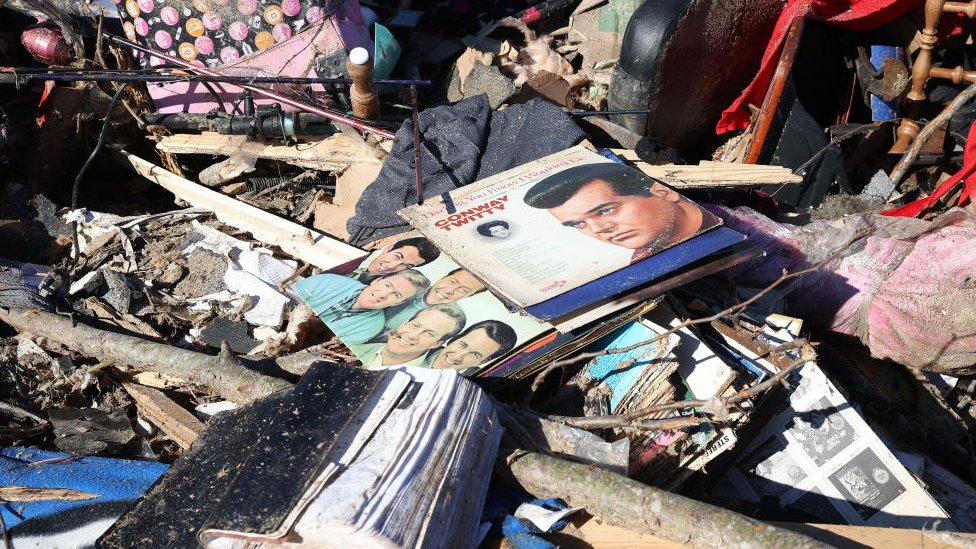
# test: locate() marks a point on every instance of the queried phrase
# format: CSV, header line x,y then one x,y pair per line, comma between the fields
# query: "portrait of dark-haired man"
x,y
399,256
478,344
620,206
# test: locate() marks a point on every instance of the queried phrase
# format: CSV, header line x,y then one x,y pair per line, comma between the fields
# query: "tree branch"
x,y
222,375
626,503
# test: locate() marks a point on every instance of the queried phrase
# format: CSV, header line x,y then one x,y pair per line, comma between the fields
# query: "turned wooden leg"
x,y
920,74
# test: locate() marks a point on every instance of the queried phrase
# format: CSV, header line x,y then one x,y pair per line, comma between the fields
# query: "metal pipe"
x,y
102,76
584,114
335,117
415,118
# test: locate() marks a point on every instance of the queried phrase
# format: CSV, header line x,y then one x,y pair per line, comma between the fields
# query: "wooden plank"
x,y
171,418
844,536
599,535
330,153
710,174
308,245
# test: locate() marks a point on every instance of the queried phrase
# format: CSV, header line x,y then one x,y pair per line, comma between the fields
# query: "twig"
x,y
292,277
537,382
17,411
23,494
912,153
633,419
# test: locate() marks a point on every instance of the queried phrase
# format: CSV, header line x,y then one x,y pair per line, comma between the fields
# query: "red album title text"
x,y
471,214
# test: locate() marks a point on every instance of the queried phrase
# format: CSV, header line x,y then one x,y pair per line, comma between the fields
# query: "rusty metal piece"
x,y
894,79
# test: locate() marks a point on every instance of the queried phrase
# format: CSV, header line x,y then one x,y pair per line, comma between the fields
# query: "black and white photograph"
x,y
770,469
822,431
867,483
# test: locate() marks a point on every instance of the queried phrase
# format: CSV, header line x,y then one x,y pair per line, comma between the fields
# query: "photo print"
x,y
867,483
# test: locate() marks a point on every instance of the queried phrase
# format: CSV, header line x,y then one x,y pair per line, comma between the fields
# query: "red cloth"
x,y
855,15
967,175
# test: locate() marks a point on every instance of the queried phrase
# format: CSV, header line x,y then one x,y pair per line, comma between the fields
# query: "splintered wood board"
x,y
299,242
332,153
712,174
171,418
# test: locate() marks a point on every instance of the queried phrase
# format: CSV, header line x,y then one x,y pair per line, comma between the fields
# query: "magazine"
x,y
550,226
407,304
819,456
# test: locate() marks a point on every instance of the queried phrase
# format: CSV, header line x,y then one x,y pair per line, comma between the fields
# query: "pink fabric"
x,y
855,15
906,291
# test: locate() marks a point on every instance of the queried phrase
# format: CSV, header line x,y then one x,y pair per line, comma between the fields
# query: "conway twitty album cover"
x,y
549,226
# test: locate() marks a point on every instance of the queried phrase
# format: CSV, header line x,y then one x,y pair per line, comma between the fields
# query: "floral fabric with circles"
x,y
214,32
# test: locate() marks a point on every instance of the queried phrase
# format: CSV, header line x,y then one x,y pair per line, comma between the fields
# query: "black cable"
x,y
76,187
215,95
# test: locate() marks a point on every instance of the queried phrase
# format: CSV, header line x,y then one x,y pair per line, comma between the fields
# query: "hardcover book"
x,y
343,460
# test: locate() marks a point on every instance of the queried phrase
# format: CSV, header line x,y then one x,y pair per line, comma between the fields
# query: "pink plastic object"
x,y
46,44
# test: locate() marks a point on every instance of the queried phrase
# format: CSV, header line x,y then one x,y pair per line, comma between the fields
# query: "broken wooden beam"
x,y
171,418
299,242
708,175
331,153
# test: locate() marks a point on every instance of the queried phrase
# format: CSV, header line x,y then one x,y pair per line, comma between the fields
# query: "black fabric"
x,y
653,152
462,143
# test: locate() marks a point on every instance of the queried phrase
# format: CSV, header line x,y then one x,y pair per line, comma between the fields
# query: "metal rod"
x,y
335,117
581,114
415,117
75,75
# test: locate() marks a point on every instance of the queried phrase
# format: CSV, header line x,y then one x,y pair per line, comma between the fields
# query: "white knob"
x,y
359,56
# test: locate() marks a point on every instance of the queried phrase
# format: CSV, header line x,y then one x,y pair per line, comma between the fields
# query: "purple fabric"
x,y
907,290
